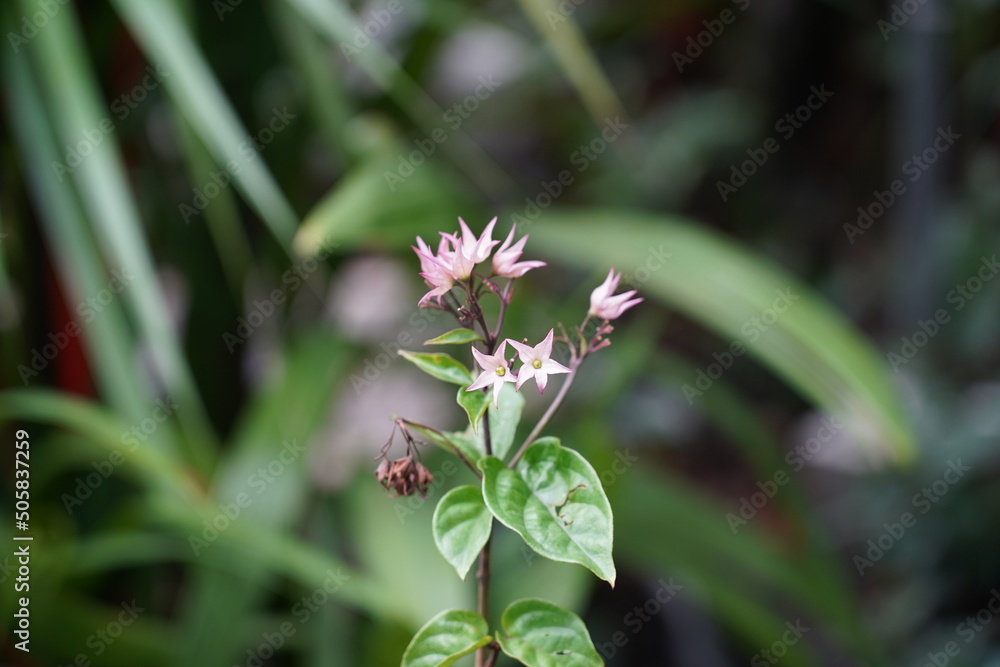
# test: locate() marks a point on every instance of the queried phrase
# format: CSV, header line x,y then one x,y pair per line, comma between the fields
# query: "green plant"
x,y
548,494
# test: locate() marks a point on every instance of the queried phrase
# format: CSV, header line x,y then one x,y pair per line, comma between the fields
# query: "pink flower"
x,y
505,260
608,307
495,371
437,270
537,362
470,250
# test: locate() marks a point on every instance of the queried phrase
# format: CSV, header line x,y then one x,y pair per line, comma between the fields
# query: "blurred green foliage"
x,y
209,151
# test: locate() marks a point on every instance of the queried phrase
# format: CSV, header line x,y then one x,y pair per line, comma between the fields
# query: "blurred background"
x,y
206,210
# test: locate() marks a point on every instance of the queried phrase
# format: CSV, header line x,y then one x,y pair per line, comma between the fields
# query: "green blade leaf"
x,y
474,403
554,500
541,634
725,287
157,27
446,638
440,365
455,337
462,525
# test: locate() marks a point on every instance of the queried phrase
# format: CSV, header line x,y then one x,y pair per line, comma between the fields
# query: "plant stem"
x,y
556,402
483,659
483,573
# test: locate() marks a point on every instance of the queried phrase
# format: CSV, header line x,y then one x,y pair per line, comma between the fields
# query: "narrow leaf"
x,y
474,403
446,638
455,337
462,525
554,500
724,287
541,634
440,365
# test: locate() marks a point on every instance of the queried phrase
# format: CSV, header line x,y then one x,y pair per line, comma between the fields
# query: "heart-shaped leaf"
x,y
446,638
455,337
440,365
541,634
554,500
462,525
474,403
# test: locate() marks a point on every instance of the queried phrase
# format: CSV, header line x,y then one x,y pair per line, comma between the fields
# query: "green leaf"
x,y
503,422
554,500
452,442
440,365
474,403
462,525
724,286
446,638
541,634
455,337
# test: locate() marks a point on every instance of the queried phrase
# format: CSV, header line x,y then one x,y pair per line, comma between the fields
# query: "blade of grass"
x,y
330,102
222,216
160,31
724,287
107,338
74,96
575,57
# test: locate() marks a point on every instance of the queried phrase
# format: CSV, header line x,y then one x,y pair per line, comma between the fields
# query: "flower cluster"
x,y
459,253
536,362
454,265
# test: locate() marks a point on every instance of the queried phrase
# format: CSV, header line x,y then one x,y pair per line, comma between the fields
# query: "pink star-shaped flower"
x,y
606,306
495,371
435,270
537,362
505,259
470,250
